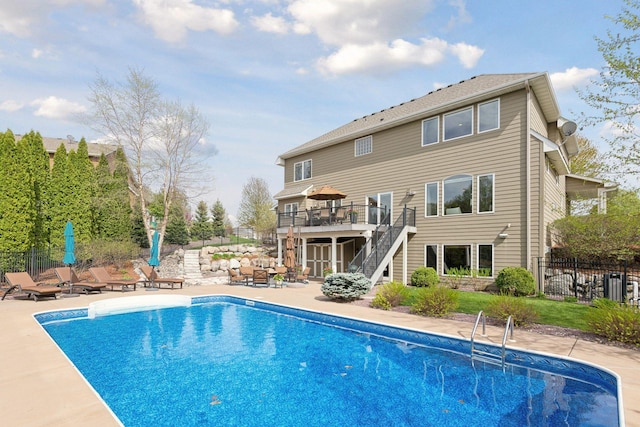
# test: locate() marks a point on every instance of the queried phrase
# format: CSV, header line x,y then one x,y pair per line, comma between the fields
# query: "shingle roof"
x,y
430,104
95,150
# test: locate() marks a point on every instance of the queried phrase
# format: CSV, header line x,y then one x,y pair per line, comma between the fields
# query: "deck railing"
x,y
346,214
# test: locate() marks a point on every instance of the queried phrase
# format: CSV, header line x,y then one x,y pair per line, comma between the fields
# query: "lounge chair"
x,y
304,275
68,277
260,277
101,275
151,277
21,284
246,273
235,278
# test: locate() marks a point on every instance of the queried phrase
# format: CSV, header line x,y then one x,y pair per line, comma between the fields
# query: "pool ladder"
x,y
487,355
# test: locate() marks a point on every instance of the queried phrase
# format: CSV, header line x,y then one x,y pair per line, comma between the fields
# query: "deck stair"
x,y
485,354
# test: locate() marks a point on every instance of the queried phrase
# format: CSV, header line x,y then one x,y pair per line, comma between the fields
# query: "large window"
x,y
456,194
302,170
431,256
457,257
431,200
364,145
430,131
291,208
458,124
489,115
485,260
485,193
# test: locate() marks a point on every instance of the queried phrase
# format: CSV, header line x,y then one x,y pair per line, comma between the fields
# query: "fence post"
x,y
575,277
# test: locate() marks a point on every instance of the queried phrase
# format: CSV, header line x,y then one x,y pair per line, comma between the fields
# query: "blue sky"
x,y
272,74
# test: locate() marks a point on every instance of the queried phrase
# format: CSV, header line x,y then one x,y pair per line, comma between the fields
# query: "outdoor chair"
x,y
68,277
151,277
101,275
247,273
304,275
235,278
341,215
260,277
22,285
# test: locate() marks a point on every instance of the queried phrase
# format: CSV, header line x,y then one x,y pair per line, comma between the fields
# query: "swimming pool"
x,y
231,361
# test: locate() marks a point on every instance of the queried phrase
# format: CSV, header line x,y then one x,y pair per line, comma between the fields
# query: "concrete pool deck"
x,y
39,387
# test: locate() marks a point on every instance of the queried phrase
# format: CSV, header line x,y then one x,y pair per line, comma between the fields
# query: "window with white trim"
x,y
456,194
489,115
291,208
431,199
431,256
457,259
302,170
364,145
485,260
430,131
458,124
485,193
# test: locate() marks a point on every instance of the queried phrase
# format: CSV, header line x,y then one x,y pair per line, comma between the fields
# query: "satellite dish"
x,y
567,127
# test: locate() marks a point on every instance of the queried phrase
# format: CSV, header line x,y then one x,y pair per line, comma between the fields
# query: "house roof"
x,y
293,191
443,99
95,150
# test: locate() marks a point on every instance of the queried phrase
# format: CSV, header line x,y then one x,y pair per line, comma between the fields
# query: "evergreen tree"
x,y
112,203
218,218
83,189
201,227
176,232
16,198
59,194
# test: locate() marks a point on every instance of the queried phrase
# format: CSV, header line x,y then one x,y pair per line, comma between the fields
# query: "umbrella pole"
x,y
70,294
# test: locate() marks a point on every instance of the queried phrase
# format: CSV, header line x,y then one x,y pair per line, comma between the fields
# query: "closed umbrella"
x,y
289,254
154,260
69,251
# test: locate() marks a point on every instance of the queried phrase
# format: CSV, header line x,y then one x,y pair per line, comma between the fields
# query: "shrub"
x,y
455,276
106,252
425,276
516,281
615,322
345,286
390,295
520,311
435,301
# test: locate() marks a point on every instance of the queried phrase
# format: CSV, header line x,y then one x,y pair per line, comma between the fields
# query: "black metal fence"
x,y
36,262
587,280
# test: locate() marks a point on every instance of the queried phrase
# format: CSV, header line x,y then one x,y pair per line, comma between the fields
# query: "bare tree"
x,y
160,138
256,207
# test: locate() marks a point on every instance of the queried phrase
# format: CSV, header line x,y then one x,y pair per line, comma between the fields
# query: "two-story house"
x,y
466,177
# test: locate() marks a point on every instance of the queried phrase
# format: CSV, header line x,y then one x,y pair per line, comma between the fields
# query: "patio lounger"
x,y
68,276
260,277
23,285
101,275
151,277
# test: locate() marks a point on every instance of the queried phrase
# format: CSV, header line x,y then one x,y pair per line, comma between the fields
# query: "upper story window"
x,y
489,115
458,124
364,145
430,131
456,194
302,170
431,202
485,193
291,208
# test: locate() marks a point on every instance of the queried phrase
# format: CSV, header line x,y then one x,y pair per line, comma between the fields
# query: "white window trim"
x,y
426,199
471,255
493,194
488,102
444,214
444,127
437,119
493,258
302,162
292,207
367,142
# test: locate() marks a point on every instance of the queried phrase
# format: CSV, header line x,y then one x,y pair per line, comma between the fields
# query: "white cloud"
x,y
56,108
271,24
170,19
572,77
36,53
10,105
382,58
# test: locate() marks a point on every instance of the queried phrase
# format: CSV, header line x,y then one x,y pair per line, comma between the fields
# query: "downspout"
x,y
528,173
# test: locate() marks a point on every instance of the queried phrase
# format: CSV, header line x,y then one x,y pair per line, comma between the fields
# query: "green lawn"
x,y
558,313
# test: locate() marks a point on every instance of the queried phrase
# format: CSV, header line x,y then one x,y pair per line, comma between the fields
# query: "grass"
x,y
556,313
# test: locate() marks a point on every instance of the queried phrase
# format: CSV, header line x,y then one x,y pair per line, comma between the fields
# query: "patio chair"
x,y
341,215
101,275
304,275
235,278
247,274
68,277
151,277
260,277
22,285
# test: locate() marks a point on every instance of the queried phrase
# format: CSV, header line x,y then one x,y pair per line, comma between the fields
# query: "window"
x,y
430,131
302,170
431,256
456,194
457,257
291,208
431,200
485,193
458,124
485,260
364,145
489,115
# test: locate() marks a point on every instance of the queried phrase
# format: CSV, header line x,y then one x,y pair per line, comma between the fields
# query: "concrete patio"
x,y
39,386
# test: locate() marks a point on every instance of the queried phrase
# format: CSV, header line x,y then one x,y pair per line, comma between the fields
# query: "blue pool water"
x,y
223,362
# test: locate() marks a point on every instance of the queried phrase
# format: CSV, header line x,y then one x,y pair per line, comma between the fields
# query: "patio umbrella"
x,y
326,192
289,254
69,251
154,260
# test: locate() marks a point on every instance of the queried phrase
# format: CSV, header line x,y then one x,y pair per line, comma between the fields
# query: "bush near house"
x,y
615,322
390,295
425,276
516,281
435,301
345,286
520,310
